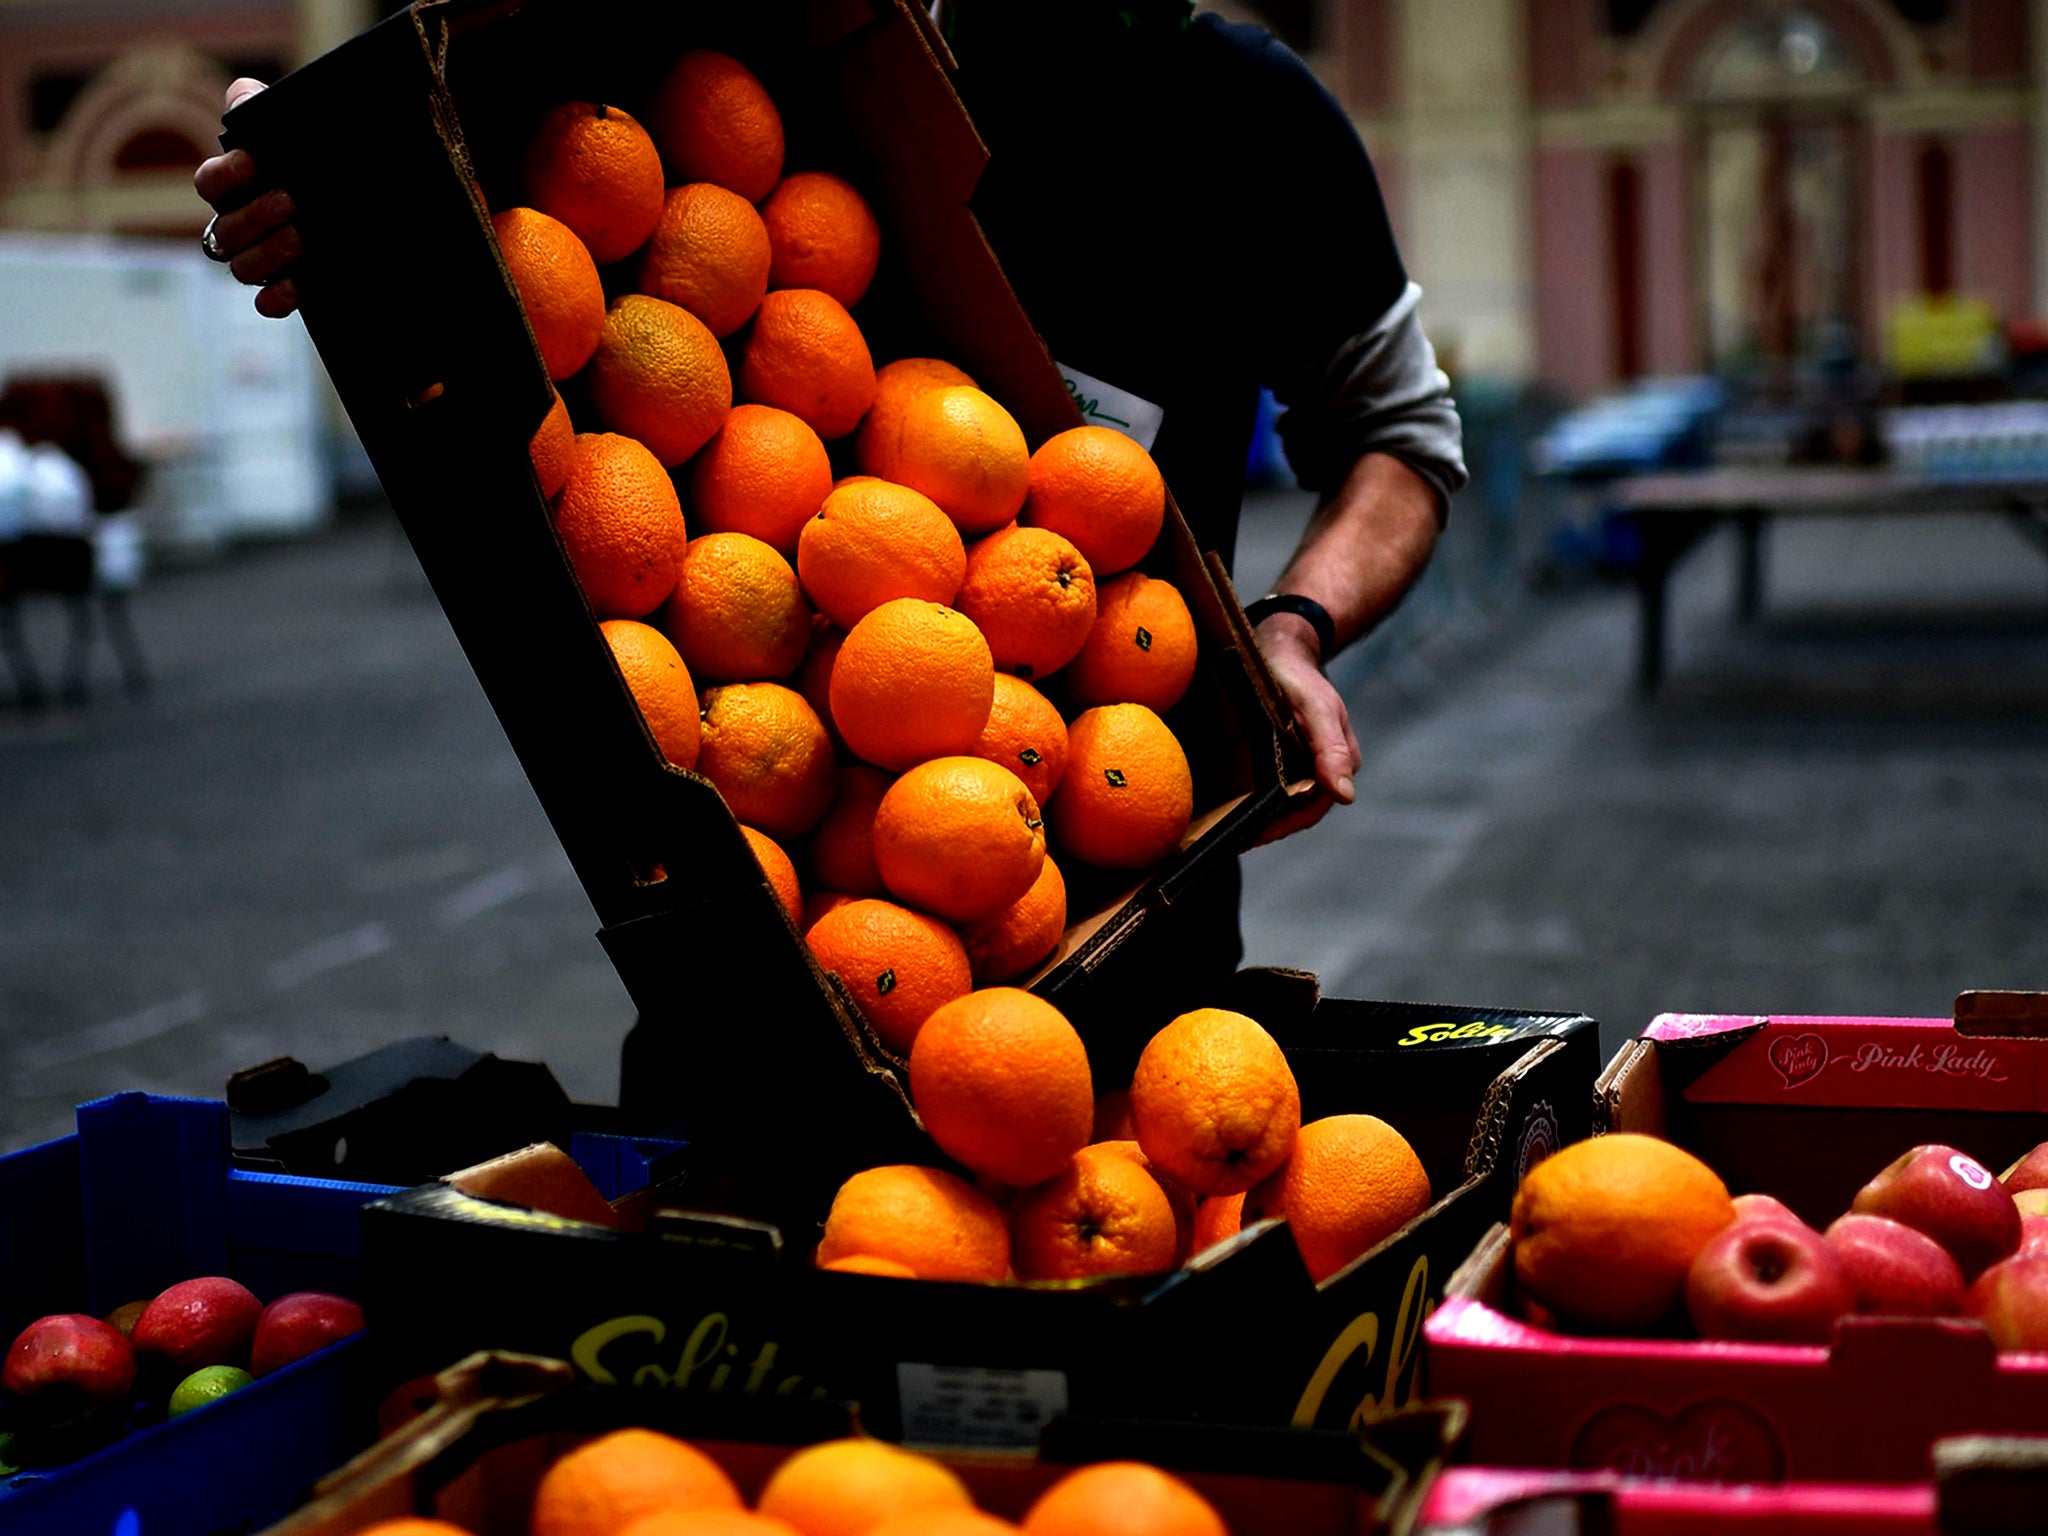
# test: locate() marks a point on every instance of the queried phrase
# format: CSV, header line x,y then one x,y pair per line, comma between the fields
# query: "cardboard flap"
x,y
1496,1115
1991,1485
1629,1095
1482,1276
2004,1015
1278,997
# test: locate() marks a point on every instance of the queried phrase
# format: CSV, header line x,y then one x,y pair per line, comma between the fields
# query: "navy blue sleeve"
x,y
1310,205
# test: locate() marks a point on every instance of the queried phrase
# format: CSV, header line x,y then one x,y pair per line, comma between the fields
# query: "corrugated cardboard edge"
x,y
468,1391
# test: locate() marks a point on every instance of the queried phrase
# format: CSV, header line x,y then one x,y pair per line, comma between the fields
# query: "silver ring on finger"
x,y
209,242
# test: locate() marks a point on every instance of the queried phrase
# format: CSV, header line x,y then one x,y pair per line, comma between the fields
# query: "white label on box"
x,y
1104,405
953,1405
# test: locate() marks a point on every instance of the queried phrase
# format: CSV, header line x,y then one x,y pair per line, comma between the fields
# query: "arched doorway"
x,y
1777,96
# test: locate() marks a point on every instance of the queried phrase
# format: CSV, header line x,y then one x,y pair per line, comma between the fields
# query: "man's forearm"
x,y
1365,546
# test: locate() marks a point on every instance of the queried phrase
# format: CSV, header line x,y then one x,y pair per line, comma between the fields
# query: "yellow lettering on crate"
x,y
1362,1335
1437,1034
705,1363
585,1353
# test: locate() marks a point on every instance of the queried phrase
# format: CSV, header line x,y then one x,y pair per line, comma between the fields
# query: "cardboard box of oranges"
x,y
508,1445
1804,1110
142,1198
706,1298
804,693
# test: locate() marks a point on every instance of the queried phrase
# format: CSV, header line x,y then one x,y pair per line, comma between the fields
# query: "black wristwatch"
x,y
1302,607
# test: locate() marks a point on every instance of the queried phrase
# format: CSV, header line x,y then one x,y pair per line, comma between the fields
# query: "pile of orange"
x,y
922,685
641,1482
1212,1141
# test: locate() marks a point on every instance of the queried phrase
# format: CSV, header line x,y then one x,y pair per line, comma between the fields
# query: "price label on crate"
x,y
977,1405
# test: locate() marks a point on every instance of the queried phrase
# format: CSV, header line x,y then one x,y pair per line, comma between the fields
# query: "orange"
x,y
1000,1079
553,448
413,1525
557,283
1026,735
1182,1199
737,613
706,1522
1128,795
814,678
806,355
896,385
943,1522
620,525
709,254
778,870
660,685
768,756
713,121
898,965
1141,649
1033,597
961,449
958,837
1122,1498
765,473
1351,1182
934,1223
1027,931
842,852
1102,1215
819,904
824,236
1101,490
1214,1103
1218,1219
607,1483
1604,1231
873,541
868,1264
846,1487
913,681
658,376
593,167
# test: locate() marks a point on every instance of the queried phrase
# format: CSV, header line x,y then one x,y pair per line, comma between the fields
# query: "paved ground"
x,y
314,838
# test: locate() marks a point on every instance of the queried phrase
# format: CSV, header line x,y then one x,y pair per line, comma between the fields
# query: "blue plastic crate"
x,y
142,1197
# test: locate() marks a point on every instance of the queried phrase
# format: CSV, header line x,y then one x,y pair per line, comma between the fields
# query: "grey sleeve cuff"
x,y
1381,393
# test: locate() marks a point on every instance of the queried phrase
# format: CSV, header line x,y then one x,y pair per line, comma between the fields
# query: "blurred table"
x,y
1671,513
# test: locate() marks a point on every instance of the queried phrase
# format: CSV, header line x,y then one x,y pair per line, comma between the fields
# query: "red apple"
x,y
208,1321
2011,1299
1763,1208
2033,1237
1951,1197
61,1369
1895,1269
1768,1281
2030,1172
295,1325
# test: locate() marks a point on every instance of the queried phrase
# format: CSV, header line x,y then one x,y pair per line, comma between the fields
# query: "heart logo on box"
x,y
1799,1058
1713,1442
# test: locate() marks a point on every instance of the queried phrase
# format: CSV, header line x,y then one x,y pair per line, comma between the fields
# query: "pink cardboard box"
x,y
1974,1484
1806,1109
1511,1501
